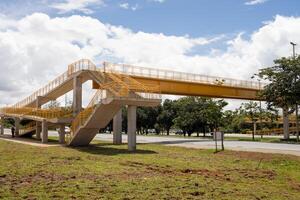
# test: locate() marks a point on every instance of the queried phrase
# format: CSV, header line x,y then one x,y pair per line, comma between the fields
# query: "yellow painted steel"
x,y
36,112
174,87
179,83
31,126
274,131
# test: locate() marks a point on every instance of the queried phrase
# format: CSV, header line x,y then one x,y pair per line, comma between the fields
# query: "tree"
x,y
252,111
284,88
167,115
195,114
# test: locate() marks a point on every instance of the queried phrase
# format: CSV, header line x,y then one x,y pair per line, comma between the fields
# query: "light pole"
x,y
296,106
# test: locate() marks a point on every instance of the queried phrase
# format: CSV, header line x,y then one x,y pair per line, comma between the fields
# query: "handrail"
x,y
37,112
83,116
28,127
72,68
181,76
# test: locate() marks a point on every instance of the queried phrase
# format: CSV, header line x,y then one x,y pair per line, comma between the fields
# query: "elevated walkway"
x,y
117,86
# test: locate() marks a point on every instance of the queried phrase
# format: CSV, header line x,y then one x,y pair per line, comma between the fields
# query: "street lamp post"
x,y
296,106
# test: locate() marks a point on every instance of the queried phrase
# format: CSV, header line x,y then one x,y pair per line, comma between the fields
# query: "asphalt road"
x,y
293,149
200,143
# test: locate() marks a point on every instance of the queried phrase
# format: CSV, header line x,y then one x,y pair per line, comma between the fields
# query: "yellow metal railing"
x,y
72,68
180,76
276,131
37,112
28,127
83,116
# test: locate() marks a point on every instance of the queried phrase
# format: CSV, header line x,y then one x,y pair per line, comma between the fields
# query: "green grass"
x,y
104,171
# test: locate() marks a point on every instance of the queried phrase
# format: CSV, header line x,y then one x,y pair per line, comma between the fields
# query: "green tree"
x,y
252,111
167,115
283,89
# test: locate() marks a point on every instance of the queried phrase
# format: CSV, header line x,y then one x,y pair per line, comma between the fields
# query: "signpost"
x,y
219,136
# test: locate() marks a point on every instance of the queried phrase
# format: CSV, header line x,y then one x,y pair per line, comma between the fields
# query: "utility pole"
x,y
296,106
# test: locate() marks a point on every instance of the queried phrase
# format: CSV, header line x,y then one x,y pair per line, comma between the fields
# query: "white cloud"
x,y
76,5
124,5
159,1
255,2
36,48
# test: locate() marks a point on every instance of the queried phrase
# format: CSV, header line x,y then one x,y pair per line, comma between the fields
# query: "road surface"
x,y
201,143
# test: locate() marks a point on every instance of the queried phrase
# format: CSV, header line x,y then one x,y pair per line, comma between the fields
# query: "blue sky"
x,y
227,38
172,17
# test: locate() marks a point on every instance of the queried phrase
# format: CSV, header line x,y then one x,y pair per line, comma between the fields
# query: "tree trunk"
x,y
168,131
286,123
254,131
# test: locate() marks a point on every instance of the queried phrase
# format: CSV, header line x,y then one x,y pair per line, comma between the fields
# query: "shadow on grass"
x,y
180,141
106,149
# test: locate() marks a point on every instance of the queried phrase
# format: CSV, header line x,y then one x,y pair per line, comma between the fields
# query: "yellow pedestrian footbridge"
x,y
116,86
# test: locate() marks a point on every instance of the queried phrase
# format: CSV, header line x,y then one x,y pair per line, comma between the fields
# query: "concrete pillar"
x,y
38,102
117,128
131,133
44,131
77,95
38,130
1,126
285,123
62,133
17,126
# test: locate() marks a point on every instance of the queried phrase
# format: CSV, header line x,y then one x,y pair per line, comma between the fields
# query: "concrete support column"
x,y
38,130
286,125
44,131
17,126
117,128
38,102
1,126
77,95
131,133
62,134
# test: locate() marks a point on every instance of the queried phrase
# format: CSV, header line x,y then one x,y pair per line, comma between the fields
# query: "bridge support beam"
x,y
131,133
17,126
117,128
286,133
62,133
38,130
1,126
77,95
44,131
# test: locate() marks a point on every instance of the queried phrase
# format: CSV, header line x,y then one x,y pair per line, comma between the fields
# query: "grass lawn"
x,y
104,171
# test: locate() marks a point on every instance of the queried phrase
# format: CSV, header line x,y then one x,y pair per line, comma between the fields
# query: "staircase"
x,y
28,130
115,91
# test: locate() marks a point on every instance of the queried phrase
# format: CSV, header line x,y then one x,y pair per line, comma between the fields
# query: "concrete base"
x,y
117,128
17,127
44,131
62,134
38,130
131,133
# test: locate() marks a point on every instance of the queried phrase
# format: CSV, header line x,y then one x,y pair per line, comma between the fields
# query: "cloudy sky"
x,y
230,38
